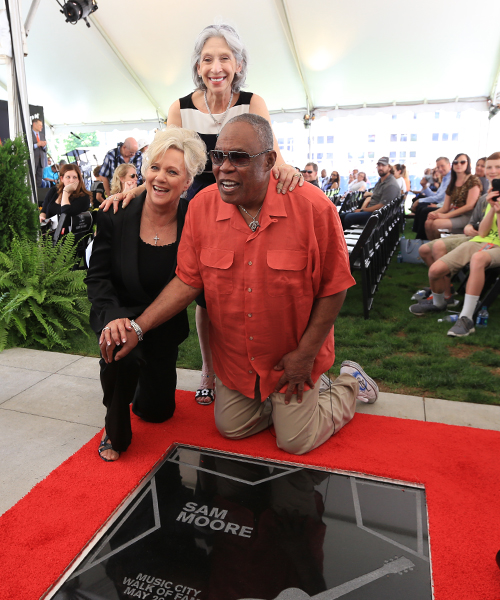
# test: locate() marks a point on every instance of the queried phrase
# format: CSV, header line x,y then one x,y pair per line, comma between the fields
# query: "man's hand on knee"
x,y
297,372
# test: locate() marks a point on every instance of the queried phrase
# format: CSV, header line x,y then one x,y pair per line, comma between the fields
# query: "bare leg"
x,y
437,276
207,372
426,254
478,263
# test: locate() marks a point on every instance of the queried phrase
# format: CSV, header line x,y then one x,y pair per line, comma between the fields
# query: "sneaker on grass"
x,y
462,327
426,306
368,389
451,301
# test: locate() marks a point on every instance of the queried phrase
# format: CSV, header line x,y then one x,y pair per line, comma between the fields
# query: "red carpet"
x,y
460,467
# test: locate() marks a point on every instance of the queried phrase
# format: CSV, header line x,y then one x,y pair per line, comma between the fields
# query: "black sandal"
x,y
204,396
104,445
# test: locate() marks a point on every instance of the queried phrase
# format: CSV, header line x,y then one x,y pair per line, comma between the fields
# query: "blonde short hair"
x,y
120,171
185,140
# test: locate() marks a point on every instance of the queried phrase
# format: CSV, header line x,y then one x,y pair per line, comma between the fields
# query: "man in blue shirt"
x,y
39,150
433,200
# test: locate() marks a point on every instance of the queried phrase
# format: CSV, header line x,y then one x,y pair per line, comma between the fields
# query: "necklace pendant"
x,y
156,239
253,225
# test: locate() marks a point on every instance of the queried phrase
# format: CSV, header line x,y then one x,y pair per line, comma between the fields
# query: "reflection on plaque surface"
x,y
216,526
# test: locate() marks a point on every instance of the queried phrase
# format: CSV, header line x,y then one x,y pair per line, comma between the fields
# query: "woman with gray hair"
x,y
219,69
134,257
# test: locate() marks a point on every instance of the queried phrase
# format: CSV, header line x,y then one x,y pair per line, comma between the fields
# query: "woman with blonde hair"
x,y
133,259
124,178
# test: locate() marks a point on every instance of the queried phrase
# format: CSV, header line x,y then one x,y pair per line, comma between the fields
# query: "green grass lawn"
x,y
404,353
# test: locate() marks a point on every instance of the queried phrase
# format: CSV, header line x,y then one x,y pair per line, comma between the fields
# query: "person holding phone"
x,y
482,252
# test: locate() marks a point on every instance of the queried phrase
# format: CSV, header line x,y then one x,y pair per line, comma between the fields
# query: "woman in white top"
x,y
360,184
399,174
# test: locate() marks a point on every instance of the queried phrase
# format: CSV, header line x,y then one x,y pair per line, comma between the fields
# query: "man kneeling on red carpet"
x,y
275,271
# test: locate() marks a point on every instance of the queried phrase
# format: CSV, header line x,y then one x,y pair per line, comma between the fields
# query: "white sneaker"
x,y
368,389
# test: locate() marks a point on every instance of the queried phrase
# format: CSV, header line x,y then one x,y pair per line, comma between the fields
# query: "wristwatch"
x,y
137,329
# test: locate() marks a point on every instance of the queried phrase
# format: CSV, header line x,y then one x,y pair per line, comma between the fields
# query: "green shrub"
x,y
41,296
18,214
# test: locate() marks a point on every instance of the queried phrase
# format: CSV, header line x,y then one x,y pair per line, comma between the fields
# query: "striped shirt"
x,y
204,125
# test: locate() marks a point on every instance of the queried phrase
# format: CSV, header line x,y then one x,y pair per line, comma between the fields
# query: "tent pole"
x,y
31,15
285,22
18,106
121,58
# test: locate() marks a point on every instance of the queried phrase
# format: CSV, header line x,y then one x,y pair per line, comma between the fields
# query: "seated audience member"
x,y
68,197
311,173
399,175
126,153
273,377
124,179
436,249
481,251
360,184
480,173
97,188
323,178
333,182
433,199
460,198
50,173
385,190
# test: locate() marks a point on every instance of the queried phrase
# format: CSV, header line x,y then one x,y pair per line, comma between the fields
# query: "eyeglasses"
x,y
307,172
133,175
459,162
236,158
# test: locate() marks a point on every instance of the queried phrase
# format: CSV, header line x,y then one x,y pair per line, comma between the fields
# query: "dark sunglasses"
x,y
459,162
134,175
307,172
236,158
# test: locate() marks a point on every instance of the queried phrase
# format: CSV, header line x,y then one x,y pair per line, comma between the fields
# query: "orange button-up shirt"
x,y
260,286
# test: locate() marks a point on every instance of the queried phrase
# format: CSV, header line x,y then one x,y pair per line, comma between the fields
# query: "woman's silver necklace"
x,y
156,238
254,223
218,123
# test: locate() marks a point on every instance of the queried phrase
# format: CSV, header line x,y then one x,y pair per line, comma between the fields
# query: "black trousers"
x,y
421,213
145,378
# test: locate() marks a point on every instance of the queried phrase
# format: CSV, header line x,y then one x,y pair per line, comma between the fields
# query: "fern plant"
x,y
41,296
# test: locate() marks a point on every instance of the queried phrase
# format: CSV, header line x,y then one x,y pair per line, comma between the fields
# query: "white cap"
x,y
142,143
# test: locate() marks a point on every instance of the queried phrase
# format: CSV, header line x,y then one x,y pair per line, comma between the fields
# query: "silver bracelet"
x,y
137,329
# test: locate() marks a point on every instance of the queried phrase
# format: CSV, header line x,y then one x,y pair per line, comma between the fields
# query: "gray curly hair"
x,y
185,140
236,46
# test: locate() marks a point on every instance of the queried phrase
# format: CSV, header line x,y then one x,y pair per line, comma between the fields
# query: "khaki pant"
x,y
299,427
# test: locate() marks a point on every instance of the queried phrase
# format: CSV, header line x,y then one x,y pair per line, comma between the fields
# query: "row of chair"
x,y
372,246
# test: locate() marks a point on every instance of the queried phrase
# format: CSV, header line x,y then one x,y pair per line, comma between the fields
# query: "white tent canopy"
x,y
135,59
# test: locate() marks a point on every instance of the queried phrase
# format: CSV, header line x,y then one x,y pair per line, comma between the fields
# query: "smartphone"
x,y
495,185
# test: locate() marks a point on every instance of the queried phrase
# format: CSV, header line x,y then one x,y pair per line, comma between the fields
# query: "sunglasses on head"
x,y
459,162
235,157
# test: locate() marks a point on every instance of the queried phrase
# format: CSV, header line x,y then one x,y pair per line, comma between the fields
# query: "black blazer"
x,y
113,283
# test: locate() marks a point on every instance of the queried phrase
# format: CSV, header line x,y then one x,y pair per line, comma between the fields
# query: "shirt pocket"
x,y
218,274
286,273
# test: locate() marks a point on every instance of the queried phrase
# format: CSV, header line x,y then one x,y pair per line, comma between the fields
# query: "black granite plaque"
x,y
215,526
